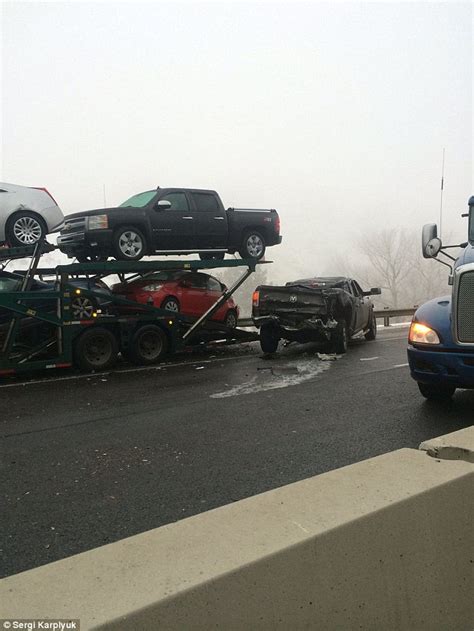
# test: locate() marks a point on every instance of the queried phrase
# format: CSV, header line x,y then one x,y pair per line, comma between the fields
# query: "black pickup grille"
x,y
465,308
71,226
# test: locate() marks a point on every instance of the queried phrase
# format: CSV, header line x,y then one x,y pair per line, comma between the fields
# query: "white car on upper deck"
x,y
27,214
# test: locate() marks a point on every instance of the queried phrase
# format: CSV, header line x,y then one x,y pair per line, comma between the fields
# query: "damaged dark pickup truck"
x,y
327,310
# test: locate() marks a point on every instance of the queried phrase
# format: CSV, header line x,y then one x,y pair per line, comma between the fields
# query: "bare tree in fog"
x,y
392,260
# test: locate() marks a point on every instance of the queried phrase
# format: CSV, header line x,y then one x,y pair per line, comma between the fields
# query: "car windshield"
x,y
139,201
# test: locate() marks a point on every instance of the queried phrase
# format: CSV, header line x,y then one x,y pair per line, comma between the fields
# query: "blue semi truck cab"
x,y
441,338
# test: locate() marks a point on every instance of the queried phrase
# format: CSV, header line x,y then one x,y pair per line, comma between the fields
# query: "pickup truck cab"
x,y
170,221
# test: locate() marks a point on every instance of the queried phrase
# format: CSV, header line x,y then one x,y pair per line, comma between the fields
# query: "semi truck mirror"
x,y
430,232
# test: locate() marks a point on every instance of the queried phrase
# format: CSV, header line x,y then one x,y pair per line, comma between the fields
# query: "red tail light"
x,y
256,298
277,225
41,188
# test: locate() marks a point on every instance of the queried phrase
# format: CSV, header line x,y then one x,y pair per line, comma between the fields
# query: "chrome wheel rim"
x,y
82,308
172,305
27,230
254,245
130,244
231,321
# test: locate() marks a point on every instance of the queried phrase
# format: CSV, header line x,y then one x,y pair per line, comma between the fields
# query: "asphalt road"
x,y
87,460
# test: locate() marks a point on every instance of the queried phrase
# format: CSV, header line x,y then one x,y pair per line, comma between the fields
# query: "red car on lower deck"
x,y
189,293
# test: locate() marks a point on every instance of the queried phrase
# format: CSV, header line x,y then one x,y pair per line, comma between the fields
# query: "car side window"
x,y
178,201
214,285
198,281
205,202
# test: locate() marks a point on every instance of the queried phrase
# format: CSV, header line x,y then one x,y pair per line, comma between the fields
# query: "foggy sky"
x,y
336,114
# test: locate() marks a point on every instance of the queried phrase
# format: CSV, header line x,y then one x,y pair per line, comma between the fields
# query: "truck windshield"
x,y
139,201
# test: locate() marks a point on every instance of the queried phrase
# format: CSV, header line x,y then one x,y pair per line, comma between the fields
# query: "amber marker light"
x,y
256,298
422,334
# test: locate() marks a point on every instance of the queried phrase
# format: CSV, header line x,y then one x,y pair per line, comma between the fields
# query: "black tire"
x,y
372,330
253,245
435,392
96,349
170,303
25,228
269,338
82,307
340,338
129,244
91,258
231,319
148,346
209,256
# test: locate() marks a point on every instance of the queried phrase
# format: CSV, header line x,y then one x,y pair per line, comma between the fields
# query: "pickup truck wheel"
x,y
372,330
253,246
148,346
436,392
269,338
129,244
96,349
25,228
340,338
170,304
218,256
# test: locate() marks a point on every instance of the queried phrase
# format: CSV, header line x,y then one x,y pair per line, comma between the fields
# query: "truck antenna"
x,y
441,197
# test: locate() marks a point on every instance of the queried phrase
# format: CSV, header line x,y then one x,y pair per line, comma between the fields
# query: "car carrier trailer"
x,y
50,336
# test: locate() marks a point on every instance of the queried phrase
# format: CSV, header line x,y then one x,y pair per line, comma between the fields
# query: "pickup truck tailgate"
x,y
291,304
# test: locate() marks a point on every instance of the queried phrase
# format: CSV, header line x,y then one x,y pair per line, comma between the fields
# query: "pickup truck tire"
x,y
96,349
25,228
148,346
209,256
128,244
253,245
371,333
170,304
436,392
340,338
269,339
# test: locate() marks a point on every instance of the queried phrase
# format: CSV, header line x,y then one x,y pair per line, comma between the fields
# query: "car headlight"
x,y
152,287
422,334
98,222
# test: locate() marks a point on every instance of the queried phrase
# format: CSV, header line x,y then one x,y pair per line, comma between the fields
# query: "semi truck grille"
x,y
465,308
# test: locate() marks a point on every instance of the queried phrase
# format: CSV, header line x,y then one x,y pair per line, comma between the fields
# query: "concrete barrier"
x,y
383,544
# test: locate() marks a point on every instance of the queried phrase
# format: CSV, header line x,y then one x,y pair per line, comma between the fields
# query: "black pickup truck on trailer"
x,y
169,221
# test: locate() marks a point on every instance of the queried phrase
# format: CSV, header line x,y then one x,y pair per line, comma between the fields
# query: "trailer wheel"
x,y
435,392
96,349
269,338
129,244
148,346
253,246
340,338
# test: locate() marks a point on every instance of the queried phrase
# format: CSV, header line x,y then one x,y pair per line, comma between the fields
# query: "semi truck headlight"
x,y
98,222
422,334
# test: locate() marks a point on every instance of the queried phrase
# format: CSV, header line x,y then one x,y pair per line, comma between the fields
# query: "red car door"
x,y
194,298
214,292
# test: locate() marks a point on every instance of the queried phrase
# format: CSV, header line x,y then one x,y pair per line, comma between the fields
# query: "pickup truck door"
x,y
211,221
173,228
362,307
